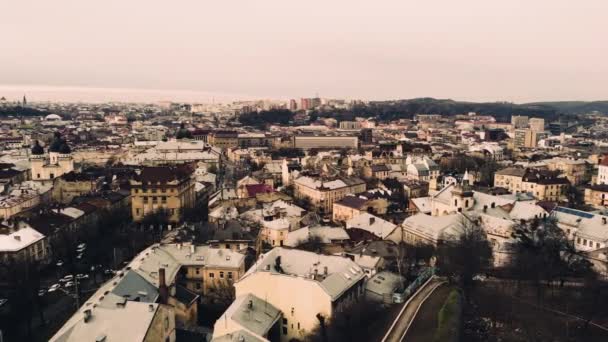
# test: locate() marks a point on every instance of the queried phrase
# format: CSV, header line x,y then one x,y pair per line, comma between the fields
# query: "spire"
x,y
465,178
24,101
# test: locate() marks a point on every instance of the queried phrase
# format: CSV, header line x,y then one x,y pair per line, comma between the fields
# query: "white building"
x,y
303,285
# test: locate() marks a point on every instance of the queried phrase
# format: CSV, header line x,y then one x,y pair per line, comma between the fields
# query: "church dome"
x,y
65,149
37,149
59,145
52,117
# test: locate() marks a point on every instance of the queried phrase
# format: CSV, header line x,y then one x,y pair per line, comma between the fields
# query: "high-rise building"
x,y
519,121
293,105
537,124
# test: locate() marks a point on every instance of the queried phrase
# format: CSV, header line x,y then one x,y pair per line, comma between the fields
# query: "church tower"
x,y
462,195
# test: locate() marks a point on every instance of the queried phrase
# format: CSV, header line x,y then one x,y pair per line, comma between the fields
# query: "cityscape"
x,y
158,188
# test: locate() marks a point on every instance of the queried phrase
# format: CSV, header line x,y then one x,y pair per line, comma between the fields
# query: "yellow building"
x,y
544,185
597,195
224,139
168,187
322,194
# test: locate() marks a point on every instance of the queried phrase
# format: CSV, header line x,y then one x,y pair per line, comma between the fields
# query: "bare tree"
x,y
465,254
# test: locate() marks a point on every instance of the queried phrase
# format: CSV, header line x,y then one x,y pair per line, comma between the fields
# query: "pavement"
x,y
410,309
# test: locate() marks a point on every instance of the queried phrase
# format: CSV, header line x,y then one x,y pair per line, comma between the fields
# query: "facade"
x,y
224,139
167,187
597,195
322,194
325,141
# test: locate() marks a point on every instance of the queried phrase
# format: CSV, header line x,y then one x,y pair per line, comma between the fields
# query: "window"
x,y
164,199
197,270
211,275
137,211
52,175
136,190
230,273
145,199
227,245
38,175
198,286
284,321
221,275
284,330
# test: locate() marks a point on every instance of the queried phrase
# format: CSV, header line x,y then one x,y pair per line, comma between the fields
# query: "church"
x,y
45,167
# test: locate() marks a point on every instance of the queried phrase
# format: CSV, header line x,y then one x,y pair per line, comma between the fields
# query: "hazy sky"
x,y
514,50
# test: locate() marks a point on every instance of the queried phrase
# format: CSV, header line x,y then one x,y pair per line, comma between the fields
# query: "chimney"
x,y
372,220
485,208
325,271
316,274
151,308
250,305
87,315
163,291
603,220
17,237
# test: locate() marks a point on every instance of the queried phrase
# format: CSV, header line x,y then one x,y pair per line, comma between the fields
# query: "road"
x,y
425,322
408,313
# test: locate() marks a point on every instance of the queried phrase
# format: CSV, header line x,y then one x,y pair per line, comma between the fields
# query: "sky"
x,y
478,50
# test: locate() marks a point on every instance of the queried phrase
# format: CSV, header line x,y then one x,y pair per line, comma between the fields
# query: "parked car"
x,y
3,301
82,276
67,278
109,272
54,287
82,246
41,292
69,284
59,263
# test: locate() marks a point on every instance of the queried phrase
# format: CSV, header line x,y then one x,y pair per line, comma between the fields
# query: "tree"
x,y
314,243
212,168
543,253
466,254
221,292
349,324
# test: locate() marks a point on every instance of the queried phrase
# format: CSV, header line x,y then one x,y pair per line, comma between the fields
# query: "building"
x,y
544,185
17,202
519,121
325,141
72,184
348,207
537,124
602,171
302,286
350,125
168,187
323,193
528,138
224,139
597,195
20,242
46,167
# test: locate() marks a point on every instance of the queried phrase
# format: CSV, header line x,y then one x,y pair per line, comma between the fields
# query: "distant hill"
x,y
576,107
502,111
18,111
